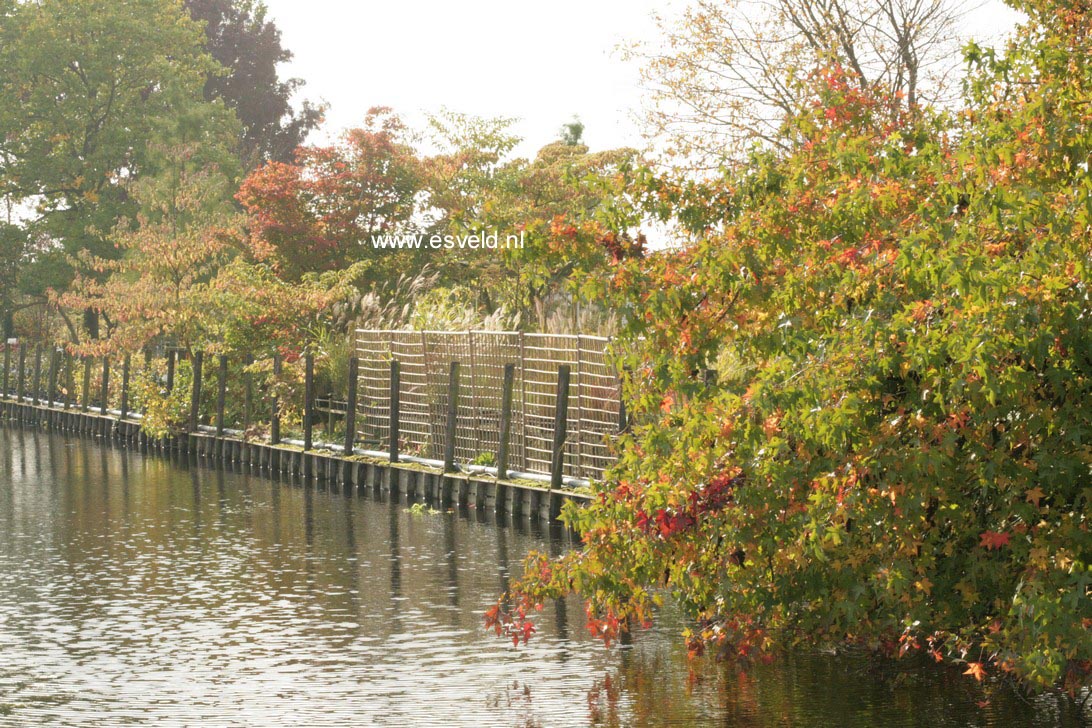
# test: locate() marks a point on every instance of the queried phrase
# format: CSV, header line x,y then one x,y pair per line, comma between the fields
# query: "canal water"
x,y
136,590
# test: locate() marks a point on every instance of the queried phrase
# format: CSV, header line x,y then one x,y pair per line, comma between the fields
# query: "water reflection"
x,y
146,589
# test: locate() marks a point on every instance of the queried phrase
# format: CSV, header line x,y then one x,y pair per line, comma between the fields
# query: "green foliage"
x,y
164,413
485,458
900,453
85,87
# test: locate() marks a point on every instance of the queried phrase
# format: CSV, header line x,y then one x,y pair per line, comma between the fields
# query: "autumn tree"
x,y
895,452
185,230
726,74
566,206
240,36
321,212
86,87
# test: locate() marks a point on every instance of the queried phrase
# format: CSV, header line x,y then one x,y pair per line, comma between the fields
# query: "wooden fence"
x,y
592,416
546,405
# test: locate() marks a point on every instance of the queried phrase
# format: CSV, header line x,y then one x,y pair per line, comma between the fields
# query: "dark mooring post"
x,y
395,424
146,373
85,400
452,415
170,369
561,424
7,371
248,392
195,394
275,417
308,400
350,406
36,385
221,396
126,363
54,360
505,419
105,385
20,375
69,380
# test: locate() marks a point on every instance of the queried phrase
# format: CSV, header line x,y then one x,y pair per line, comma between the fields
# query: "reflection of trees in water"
x,y
222,501
195,500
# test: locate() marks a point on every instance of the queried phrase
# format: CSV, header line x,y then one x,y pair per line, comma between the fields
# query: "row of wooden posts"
x,y
348,445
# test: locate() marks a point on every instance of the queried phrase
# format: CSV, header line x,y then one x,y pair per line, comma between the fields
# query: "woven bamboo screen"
x,y
425,359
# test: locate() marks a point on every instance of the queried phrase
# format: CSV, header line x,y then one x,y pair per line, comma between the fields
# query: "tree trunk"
x,y
91,323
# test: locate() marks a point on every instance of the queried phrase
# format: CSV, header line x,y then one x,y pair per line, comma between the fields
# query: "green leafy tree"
x,y
85,87
897,453
186,230
566,207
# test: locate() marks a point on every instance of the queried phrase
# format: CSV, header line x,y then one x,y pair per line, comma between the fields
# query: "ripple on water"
x,y
140,592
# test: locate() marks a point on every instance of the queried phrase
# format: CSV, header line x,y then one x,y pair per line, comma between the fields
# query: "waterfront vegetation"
x,y
897,452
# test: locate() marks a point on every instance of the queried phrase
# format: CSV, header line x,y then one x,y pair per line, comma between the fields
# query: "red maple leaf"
x,y
994,540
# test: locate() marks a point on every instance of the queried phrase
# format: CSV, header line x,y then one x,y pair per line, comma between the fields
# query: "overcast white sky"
x,y
539,61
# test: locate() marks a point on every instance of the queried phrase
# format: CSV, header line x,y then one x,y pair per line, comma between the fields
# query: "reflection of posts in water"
x,y
452,560
502,559
561,608
221,498
275,507
353,591
309,517
195,484
396,553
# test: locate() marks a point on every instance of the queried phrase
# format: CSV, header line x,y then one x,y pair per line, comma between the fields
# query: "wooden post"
x,y
395,429
85,404
248,393
579,424
452,414
275,417
69,380
125,365
21,374
105,385
523,399
308,400
170,370
195,395
52,390
561,423
147,373
350,408
505,420
221,397
7,370
36,385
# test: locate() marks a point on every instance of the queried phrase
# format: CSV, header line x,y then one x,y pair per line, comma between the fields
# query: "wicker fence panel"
x,y
425,360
